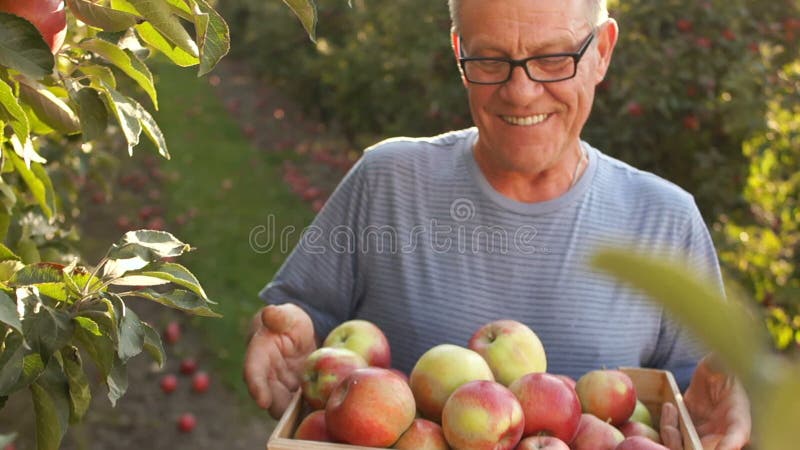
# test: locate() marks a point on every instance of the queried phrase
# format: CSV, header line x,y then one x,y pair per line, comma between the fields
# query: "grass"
x,y
234,188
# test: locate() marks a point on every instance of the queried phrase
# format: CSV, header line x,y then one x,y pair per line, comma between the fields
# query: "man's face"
x,y
528,128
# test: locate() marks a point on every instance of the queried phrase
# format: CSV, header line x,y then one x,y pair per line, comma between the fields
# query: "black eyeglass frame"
x,y
513,63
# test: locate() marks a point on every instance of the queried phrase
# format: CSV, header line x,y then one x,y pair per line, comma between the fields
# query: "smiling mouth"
x,y
525,120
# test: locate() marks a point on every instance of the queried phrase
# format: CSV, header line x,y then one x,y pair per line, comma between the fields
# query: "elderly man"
x,y
431,238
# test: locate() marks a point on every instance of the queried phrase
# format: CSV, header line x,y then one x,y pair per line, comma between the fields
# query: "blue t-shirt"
x,y
416,240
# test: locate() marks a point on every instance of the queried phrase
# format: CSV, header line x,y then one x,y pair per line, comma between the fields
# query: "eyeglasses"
x,y
542,68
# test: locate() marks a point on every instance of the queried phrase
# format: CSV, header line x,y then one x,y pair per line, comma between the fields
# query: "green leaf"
x,y
131,335
100,348
160,16
46,329
32,367
153,345
147,245
80,396
126,61
11,362
174,273
98,75
179,299
92,113
117,381
6,254
306,11
88,324
49,191
213,35
102,17
154,39
723,325
124,110
49,108
152,131
13,112
22,47
36,274
37,187
9,314
51,405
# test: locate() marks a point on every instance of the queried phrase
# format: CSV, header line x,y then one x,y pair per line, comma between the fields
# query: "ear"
x,y
455,43
606,41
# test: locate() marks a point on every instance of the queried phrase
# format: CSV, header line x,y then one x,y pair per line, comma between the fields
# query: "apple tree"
x,y
74,79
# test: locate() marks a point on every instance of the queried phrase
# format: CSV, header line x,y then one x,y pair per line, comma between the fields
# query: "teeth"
x,y
525,121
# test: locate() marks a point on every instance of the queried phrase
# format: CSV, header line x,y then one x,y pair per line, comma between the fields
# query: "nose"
x,y
520,88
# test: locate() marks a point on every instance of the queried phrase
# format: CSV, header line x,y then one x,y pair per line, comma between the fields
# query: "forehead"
x,y
541,21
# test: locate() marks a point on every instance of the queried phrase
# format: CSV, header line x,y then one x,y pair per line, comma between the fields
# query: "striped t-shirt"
x,y
417,241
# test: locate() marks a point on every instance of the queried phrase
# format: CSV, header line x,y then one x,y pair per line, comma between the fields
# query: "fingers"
x,y
669,427
256,368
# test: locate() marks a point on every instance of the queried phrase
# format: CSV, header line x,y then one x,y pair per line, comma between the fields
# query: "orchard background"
x,y
706,94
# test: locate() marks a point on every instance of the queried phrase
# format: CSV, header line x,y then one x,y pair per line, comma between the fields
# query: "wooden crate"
x,y
654,387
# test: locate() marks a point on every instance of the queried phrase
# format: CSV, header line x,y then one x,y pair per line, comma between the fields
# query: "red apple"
x,y
372,407
169,383
633,428
313,427
482,415
200,382
550,405
607,394
186,422
364,338
422,435
188,366
542,443
439,371
48,16
566,379
639,443
594,434
323,370
510,348
172,333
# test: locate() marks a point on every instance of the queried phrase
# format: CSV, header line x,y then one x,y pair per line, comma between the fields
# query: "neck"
x,y
538,186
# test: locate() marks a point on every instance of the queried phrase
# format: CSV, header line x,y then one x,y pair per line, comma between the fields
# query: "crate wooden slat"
x,y
653,387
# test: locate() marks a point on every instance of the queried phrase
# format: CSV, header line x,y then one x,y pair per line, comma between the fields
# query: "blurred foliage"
x,y
701,93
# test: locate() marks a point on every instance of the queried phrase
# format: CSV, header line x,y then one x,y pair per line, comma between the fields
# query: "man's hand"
x,y
282,338
719,409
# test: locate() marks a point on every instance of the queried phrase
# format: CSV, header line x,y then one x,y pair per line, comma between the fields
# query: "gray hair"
x,y
596,12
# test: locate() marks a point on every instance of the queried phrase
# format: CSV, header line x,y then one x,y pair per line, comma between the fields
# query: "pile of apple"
x,y
492,394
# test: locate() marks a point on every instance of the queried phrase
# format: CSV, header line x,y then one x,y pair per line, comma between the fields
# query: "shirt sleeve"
x,y
321,274
679,351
